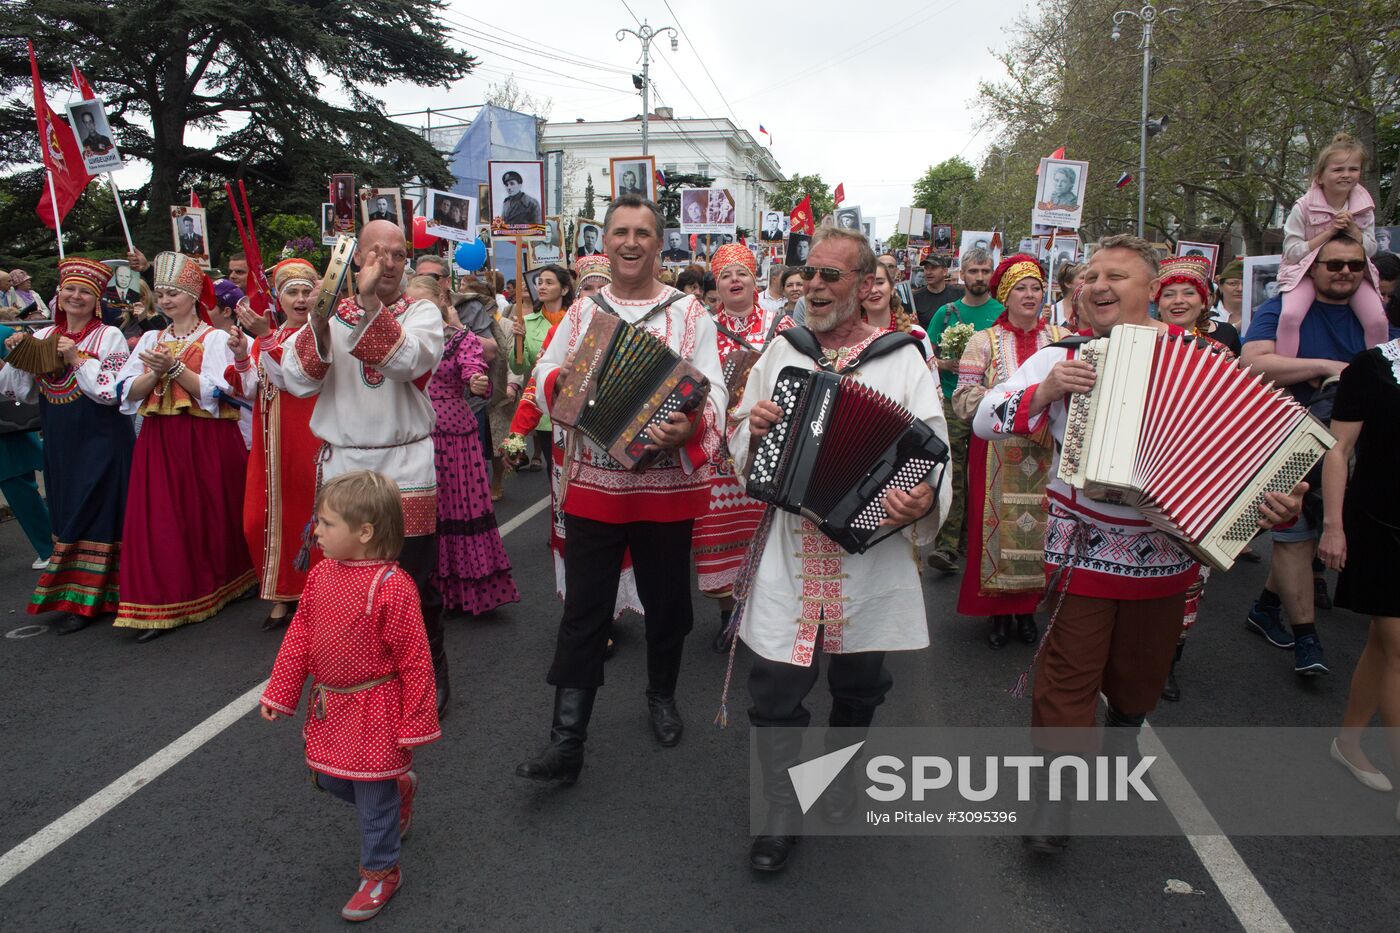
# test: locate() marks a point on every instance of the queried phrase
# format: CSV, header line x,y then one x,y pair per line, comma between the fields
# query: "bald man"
x,y
368,363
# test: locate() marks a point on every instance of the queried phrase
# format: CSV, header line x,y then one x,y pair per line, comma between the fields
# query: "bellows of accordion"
x,y
839,448
621,381
1180,430
37,355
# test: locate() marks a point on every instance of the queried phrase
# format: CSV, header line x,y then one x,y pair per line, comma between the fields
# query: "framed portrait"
x,y
328,233
1059,193
798,246
1210,251
633,175
517,198
125,287
920,226
381,204
1388,239
942,241
774,228
1064,250
548,248
451,216
588,238
190,231
848,218
342,197
89,121
976,239
1260,285
707,210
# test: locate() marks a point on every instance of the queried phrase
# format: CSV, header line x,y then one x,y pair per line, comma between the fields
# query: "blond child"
x,y
1337,203
358,632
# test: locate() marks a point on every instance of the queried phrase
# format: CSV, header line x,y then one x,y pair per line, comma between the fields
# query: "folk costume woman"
x,y
1005,572
281,486
184,553
87,450
473,571
722,535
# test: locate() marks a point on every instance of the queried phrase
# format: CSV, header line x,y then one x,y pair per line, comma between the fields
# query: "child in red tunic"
x,y
358,632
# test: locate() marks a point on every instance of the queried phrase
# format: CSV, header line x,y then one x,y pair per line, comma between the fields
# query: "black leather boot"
x,y
562,759
841,799
1047,831
723,638
1001,631
663,670
1026,630
432,624
1172,691
1120,735
770,850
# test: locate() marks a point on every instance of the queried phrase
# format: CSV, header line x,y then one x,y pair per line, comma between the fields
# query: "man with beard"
x,y
806,588
978,308
1123,600
610,509
1328,339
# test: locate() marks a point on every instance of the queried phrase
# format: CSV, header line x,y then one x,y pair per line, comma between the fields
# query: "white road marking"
x,y
15,861
1252,905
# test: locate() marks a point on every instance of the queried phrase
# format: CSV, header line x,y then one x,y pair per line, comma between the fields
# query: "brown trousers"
x,y
1121,648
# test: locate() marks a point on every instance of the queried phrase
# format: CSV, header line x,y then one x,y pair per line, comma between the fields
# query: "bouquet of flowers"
x,y
302,247
954,341
513,449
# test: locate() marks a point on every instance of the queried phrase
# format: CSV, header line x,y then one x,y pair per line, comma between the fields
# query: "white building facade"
x,y
712,147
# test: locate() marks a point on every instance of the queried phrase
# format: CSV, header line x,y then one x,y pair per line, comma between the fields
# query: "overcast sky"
x,y
870,101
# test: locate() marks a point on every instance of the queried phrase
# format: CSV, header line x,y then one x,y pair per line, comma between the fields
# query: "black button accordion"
x,y
839,448
621,381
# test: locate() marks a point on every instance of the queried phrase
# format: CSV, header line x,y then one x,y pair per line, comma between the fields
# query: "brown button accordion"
x,y
1180,430
838,449
620,382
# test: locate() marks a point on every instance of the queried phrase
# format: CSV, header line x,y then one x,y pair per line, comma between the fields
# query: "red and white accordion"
x,y
1180,430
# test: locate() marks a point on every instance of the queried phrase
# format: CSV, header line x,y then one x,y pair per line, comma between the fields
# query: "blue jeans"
x,y
377,804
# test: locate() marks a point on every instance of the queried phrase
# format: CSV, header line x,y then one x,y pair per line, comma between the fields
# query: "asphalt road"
x,y
233,836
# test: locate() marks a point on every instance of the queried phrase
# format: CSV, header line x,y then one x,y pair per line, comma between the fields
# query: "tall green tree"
x,y
259,75
949,192
795,188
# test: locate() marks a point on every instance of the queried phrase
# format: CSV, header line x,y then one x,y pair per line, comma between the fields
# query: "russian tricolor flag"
x,y
1123,180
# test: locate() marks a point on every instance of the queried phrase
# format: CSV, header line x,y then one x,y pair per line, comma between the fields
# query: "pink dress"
x,y
473,572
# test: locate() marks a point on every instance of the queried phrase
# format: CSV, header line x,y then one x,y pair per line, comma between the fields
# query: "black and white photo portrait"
x,y
94,135
707,210
549,248
943,237
588,238
634,175
1260,285
327,224
517,198
190,231
342,197
677,246
381,204
775,227
798,246
848,218
451,216
1059,195
1210,251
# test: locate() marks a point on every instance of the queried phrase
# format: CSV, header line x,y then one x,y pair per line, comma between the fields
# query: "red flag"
x,y
1057,154
82,85
194,199
840,193
63,160
801,217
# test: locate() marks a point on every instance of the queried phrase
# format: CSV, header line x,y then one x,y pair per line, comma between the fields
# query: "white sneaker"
x,y
40,563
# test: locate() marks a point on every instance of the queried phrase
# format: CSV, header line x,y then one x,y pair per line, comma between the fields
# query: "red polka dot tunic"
x,y
357,622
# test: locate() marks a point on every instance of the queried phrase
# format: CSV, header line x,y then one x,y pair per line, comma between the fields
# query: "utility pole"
x,y
643,81
1148,16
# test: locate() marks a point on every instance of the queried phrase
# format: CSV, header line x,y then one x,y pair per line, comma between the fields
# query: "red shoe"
x,y
408,787
376,887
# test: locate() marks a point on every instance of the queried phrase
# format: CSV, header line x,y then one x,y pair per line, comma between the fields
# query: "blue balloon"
x,y
471,256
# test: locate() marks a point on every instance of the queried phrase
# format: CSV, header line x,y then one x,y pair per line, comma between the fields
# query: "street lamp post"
x,y
1148,16
645,33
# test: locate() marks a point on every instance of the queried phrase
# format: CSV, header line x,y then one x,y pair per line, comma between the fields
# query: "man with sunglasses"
x,y
808,596
1329,337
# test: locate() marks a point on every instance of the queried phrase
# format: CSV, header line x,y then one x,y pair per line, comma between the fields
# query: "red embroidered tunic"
x,y
358,621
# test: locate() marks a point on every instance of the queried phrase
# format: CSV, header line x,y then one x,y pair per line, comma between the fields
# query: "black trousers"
x,y
419,559
777,689
592,566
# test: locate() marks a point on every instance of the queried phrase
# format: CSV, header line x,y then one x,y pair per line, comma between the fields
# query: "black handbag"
x,y
18,417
